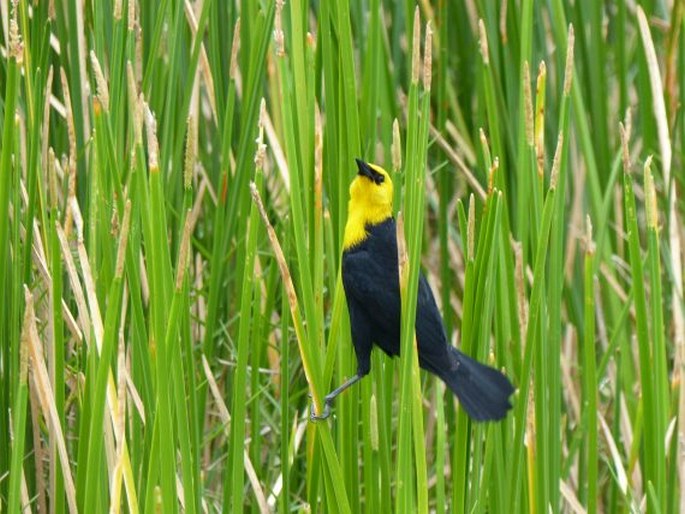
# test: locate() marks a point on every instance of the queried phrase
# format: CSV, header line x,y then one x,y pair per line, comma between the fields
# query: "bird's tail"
x,y
482,391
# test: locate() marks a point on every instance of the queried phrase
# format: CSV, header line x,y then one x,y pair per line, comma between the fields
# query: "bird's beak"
x,y
367,171
364,169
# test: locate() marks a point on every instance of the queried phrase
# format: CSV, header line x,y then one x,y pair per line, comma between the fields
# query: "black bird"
x,y
371,281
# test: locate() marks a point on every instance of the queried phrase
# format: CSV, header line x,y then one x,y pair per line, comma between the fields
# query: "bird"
x,y
371,282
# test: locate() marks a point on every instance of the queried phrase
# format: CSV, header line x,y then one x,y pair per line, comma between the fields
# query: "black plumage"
x,y
371,281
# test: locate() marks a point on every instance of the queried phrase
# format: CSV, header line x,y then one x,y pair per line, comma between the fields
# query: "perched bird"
x,y
371,281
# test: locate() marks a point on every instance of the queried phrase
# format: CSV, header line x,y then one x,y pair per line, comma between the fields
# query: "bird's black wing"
x,y
371,290
361,335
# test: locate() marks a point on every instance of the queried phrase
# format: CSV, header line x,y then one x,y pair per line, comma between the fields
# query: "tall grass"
x,y
173,187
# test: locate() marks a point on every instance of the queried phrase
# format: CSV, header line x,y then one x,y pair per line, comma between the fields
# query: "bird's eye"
x,y
379,179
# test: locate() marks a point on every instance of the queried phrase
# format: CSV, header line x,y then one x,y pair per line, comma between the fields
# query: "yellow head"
x,y
370,202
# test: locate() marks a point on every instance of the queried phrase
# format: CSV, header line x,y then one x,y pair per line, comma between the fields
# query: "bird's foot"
x,y
314,417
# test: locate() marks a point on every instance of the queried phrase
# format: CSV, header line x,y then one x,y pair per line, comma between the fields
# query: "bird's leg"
x,y
328,399
331,396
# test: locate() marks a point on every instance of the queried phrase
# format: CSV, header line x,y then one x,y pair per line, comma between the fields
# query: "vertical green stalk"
x,y
297,201
444,183
248,304
492,104
654,468
220,240
484,301
347,128
590,373
284,377
596,77
460,460
232,188
556,286
541,375
19,414
311,370
57,340
182,400
441,449
411,420
531,343
10,352
660,369
161,287
525,58
71,33
95,442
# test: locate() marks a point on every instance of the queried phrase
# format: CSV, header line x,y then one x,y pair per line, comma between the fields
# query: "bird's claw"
x,y
324,415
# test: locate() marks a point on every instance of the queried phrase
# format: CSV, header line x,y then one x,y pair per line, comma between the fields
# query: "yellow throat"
x,y
371,194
